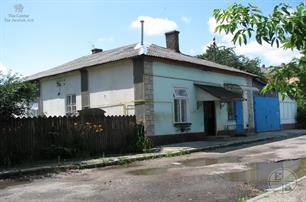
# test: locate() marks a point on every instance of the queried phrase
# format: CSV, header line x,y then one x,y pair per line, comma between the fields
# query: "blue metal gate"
x,y
239,116
266,113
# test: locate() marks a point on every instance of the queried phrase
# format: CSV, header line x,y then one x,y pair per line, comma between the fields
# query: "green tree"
x,y
227,56
285,27
15,95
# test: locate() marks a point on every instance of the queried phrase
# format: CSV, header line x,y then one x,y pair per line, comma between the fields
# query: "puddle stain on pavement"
x,y
149,171
13,182
209,161
197,162
257,174
119,167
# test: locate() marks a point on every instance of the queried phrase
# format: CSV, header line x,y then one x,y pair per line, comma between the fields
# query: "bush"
x,y
301,117
142,143
53,151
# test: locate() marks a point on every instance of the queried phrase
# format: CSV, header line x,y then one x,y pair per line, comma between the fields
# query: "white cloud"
x,y
154,26
212,24
192,52
3,68
227,38
186,19
273,55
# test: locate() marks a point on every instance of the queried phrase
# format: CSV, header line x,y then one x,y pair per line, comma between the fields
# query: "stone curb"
x,y
128,159
271,191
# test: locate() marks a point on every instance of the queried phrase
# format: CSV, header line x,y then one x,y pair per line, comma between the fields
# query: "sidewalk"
x,y
297,194
162,151
232,141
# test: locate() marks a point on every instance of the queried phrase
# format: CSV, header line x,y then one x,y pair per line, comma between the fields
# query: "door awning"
x,y
220,92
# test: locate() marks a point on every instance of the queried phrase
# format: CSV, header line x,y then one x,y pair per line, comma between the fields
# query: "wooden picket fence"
x,y
31,139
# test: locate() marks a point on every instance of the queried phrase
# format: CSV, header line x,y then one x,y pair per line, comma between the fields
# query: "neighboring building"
x,y
169,92
270,111
266,108
288,112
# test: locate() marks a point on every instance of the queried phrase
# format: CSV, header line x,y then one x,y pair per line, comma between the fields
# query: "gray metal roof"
x,y
129,51
166,53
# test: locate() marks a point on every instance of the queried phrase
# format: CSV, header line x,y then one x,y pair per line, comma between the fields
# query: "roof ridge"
x,y
211,63
94,56
129,51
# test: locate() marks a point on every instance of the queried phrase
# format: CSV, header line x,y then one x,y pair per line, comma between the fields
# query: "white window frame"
x,y
71,107
180,98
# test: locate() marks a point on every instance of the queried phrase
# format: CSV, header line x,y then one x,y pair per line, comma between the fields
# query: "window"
x,y
71,104
180,105
231,110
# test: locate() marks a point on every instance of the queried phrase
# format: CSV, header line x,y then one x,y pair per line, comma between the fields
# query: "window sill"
x,y
183,127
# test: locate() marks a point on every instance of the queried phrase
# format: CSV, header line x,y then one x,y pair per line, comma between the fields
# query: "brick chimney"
x,y
172,40
96,50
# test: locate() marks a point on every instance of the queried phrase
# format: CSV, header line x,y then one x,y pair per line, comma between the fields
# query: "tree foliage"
x,y
15,95
227,56
285,27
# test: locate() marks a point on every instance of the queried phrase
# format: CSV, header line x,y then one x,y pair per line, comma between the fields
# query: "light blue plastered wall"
x,y
168,76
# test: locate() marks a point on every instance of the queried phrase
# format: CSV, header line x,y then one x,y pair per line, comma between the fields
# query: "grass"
x,y
243,199
123,160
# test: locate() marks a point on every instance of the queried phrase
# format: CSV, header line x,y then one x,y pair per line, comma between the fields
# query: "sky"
x,y
38,35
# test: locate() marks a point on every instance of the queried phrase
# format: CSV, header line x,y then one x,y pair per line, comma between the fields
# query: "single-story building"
x,y
171,93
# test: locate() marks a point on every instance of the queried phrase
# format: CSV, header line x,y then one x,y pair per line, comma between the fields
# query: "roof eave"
x,y
206,66
84,67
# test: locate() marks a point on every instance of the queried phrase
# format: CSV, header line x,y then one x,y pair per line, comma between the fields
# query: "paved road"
x,y
221,175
